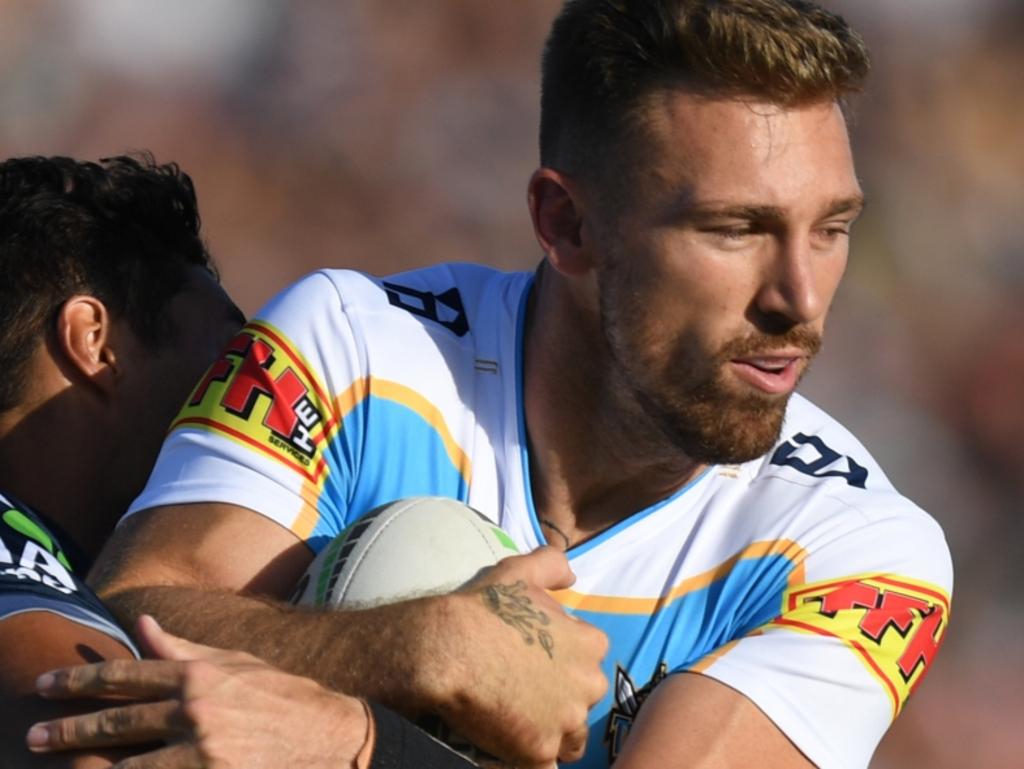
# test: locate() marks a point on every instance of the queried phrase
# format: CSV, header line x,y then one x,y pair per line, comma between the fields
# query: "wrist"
x,y
435,674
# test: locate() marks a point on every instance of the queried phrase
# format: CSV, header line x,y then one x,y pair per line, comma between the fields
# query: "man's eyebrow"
x,y
713,210
701,211
853,204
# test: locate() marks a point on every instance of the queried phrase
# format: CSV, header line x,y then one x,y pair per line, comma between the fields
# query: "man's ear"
x,y
84,339
557,213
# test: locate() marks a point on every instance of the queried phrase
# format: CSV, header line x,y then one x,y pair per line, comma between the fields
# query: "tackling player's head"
x,y
605,60
109,301
124,230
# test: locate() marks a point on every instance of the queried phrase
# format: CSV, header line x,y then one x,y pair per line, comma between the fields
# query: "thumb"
x,y
550,568
157,643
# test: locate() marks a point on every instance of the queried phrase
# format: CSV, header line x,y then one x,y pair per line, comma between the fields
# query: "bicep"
x,y
33,643
696,722
206,545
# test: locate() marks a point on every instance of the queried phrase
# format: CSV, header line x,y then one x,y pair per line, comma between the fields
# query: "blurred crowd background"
x,y
386,134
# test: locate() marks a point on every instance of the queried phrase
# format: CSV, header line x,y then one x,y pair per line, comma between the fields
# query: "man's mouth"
x,y
775,374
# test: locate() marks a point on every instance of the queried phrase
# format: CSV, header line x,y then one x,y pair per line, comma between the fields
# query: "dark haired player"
x,y
770,598
110,311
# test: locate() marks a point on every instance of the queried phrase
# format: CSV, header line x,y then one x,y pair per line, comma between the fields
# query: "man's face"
x,y
203,319
717,266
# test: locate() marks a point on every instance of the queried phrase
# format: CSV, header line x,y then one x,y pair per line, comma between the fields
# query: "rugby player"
x,y
770,598
110,312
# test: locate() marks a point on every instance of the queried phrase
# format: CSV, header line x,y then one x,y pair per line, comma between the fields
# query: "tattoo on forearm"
x,y
515,609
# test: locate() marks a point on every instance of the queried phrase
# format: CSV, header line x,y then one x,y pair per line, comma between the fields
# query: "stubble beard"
x,y
688,399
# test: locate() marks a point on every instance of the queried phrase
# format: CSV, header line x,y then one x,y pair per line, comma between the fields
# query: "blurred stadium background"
x,y
382,135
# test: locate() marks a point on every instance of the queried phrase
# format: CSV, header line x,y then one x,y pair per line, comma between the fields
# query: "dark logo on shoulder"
x,y
810,455
626,706
444,308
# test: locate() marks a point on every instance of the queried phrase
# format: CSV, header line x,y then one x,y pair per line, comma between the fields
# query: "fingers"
x,y
120,677
124,725
160,644
574,745
545,567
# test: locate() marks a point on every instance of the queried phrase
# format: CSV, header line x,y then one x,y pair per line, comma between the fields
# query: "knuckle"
x,y
69,731
198,713
214,754
573,748
106,724
195,674
246,660
112,672
120,720
542,746
580,725
77,678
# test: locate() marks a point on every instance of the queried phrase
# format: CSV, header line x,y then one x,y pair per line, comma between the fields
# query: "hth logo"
x,y
291,415
915,619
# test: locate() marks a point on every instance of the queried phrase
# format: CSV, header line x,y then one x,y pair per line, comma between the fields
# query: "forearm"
x,y
379,653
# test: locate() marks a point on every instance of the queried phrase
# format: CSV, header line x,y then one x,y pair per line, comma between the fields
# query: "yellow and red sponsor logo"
x,y
262,394
895,625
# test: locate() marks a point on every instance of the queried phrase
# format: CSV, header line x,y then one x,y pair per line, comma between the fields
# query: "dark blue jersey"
x,y
37,575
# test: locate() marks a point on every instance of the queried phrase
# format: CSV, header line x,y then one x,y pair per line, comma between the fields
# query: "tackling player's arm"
x,y
194,705
447,654
33,643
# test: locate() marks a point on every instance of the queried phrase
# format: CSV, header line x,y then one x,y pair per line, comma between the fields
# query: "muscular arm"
x,y
219,574
197,568
33,643
692,721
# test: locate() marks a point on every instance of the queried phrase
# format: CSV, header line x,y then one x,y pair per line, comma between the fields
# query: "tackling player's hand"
x,y
517,674
209,708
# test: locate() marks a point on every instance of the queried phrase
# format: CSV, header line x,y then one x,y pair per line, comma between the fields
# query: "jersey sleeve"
x,y
35,575
859,624
263,428
343,394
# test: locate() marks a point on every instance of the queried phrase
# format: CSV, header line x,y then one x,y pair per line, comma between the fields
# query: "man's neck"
x,y
595,457
43,466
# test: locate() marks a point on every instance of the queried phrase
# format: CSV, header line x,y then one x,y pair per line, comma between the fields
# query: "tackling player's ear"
x,y
557,214
83,342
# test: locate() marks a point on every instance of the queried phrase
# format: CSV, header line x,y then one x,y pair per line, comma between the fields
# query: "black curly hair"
x,y
125,230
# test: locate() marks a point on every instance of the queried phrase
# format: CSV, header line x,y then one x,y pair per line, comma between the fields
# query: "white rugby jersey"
x,y
801,579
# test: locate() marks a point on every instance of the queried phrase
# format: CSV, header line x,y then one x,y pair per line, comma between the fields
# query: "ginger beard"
x,y
685,391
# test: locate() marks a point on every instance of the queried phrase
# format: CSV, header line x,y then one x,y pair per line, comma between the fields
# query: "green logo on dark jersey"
x,y
25,526
40,559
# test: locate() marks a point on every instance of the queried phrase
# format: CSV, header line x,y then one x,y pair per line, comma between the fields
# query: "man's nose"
x,y
792,284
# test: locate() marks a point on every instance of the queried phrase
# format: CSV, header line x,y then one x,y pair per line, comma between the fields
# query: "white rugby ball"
x,y
405,549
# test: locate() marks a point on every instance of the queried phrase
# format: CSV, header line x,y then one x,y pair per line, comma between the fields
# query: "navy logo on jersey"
x,y
818,460
445,308
628,700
